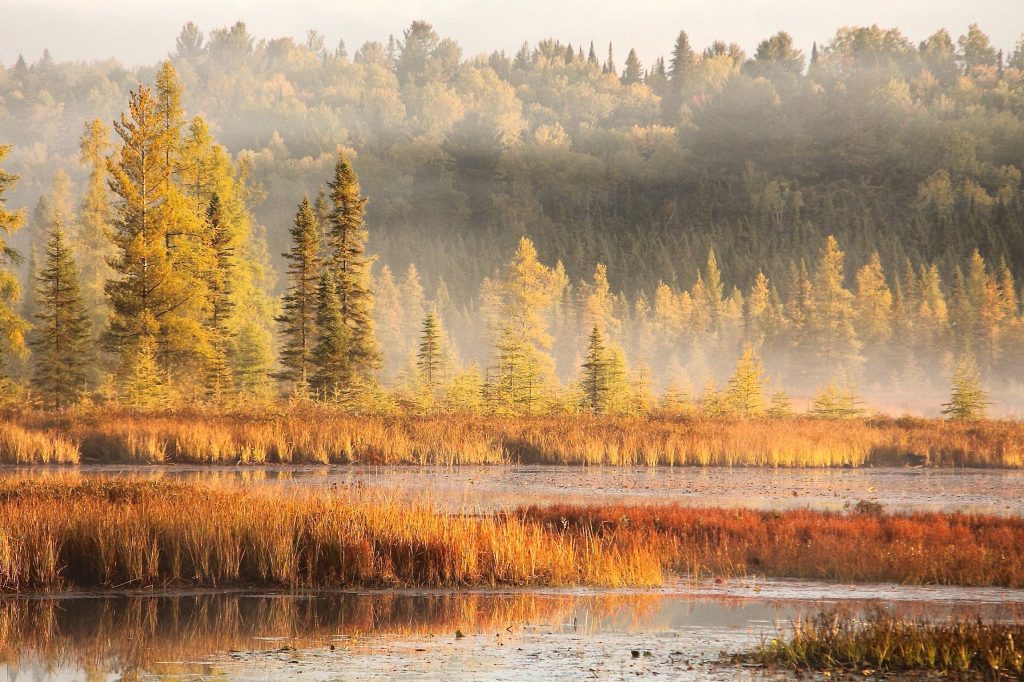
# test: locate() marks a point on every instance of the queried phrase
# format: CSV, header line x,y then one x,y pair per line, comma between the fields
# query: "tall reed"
x,y
321,434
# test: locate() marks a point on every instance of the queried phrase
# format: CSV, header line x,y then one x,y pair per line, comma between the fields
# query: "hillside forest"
x,y
409,228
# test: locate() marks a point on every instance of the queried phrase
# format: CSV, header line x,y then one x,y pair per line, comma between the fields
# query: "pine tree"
x,y
634,71
332,364
681,67
218,372
149,293
299,305
831,315
780,406
61,340
144,384
349,265
746,387
594,379
967,399
429,358
93,248
835,402
609,66
12,327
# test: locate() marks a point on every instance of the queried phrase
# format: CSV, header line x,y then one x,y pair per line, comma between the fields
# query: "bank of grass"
x,y
127,533
321,434
883,642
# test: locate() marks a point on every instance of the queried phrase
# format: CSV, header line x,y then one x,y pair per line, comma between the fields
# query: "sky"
x,y
139,32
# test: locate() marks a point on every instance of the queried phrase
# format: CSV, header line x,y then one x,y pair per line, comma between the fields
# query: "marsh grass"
x,y
127,533
322,434
885,642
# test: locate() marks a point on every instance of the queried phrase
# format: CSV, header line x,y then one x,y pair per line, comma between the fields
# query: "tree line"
x,y
168,295
912,149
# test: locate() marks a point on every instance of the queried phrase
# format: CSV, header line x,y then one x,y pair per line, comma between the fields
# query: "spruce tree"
x,y
681,67
299,305
967,399
12,327
349,265
61,342
332,365
220,281
746,387
430,356
634,71
594,379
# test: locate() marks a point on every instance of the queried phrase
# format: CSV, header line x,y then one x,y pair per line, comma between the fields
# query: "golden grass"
x,y
320,434
884,642
128,533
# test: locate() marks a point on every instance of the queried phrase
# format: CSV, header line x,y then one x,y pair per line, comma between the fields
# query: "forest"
x,y
408,229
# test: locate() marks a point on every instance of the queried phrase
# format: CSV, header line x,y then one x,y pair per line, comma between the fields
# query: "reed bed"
x,y
321,434
128,533
884,642
864,545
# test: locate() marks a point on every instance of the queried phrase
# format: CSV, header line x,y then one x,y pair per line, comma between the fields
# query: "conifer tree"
x,y
61,339
346,259
144,384
967,399
681,67
873,304
746,387
634,71
332,373
220,283
299,305
148,293
780,406
431,357
595,375
12,327
836,402
831,315
93,248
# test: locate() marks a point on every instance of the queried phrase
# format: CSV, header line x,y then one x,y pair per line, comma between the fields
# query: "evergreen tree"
x,y
333,372
746,387
219,378
634,71
299,305
780,406
12,327
681,67
967,399
594,379
61,340
349,265
609,65
144,384
430,358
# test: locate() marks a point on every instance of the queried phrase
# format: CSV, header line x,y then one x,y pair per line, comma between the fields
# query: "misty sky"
x,y
143,31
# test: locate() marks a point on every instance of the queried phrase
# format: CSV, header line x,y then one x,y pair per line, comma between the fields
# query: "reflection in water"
x,y
93,636
490,487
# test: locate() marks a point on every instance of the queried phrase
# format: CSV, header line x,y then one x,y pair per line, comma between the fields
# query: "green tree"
x,y
967,399
634,71
975,48
594,379
299,305
746,386
430,358
836,402
332,368
219,379
681,68
61,341
350,268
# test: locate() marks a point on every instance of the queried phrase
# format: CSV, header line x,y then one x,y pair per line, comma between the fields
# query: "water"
x,y
485,488
679,631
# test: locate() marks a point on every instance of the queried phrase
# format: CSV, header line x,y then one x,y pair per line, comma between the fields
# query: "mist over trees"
x,y
709,229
